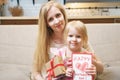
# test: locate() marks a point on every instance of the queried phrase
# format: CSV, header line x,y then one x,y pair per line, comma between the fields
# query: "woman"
x,y
52,21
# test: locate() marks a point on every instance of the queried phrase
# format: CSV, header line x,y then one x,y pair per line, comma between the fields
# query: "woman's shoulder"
x,y
62,50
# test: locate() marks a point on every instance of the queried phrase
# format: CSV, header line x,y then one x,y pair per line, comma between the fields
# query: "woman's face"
x,y
55,19
74,40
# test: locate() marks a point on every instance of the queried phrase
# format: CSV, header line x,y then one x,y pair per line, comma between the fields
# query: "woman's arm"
x,y
36,76
95,61
99,65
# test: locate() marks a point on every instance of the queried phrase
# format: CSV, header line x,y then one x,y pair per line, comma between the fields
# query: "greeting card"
x,y
80,63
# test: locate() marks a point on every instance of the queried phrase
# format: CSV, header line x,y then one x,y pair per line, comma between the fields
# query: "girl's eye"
x,y
70,35
58,15
78,36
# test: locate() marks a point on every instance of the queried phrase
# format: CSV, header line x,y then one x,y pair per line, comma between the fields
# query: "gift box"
x,y
55,67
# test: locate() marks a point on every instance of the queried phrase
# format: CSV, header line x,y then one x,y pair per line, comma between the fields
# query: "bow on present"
x,y
55,67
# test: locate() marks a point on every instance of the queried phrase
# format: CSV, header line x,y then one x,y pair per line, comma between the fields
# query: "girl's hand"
x,y
91,71
69,72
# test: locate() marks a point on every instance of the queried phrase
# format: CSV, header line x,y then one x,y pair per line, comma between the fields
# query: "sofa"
x,y
17,44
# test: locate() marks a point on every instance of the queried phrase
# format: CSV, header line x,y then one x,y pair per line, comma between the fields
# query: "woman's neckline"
x,y
58,39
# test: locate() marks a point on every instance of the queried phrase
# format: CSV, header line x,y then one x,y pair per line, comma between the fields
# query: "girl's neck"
x,y
70,52
73,51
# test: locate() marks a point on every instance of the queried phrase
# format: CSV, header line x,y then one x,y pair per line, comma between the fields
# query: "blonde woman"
x,y
52,22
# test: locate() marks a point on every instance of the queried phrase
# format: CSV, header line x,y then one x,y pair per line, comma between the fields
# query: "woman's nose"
x,y
56,21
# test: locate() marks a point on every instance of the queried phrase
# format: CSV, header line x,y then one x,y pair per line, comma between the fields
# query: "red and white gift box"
x,y
55,67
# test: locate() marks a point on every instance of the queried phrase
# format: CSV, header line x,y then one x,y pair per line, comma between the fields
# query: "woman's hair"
x,y
44,36
81,28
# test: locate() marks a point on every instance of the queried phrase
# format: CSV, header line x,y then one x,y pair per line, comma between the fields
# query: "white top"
x,y
54,50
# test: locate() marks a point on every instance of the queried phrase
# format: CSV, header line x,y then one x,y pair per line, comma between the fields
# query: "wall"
x,y
105,40
17,44
92,0
16,40
29,8
33,10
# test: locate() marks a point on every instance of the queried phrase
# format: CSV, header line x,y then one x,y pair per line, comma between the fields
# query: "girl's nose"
x,y
74,38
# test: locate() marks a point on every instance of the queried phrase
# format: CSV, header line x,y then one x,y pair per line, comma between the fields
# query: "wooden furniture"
x,y
34,20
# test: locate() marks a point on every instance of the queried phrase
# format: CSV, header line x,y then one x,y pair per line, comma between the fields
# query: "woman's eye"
x,y
51,19
58,15
78,36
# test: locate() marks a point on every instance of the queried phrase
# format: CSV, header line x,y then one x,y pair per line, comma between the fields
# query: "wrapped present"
x,y
55,67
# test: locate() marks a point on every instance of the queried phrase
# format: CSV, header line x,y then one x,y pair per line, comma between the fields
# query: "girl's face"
x,y
55,19
74,40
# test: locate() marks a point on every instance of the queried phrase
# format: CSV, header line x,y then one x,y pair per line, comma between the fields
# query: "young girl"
x,y
75,37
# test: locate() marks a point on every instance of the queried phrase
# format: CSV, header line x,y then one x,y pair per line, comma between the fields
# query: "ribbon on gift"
x,y
52,67
51,70
49,77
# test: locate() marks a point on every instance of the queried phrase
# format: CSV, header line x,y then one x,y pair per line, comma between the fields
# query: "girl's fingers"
x,y
91,70
69,72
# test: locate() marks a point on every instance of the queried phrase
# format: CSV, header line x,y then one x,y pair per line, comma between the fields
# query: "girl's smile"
x,y
74,40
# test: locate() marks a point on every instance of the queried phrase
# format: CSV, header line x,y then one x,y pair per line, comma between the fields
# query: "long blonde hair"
x,y
80,27
44,36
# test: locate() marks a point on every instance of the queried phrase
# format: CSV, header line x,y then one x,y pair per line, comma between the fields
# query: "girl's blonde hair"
x,y
44,36
81,28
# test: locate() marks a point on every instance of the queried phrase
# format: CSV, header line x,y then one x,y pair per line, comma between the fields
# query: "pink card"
x,y
80,63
